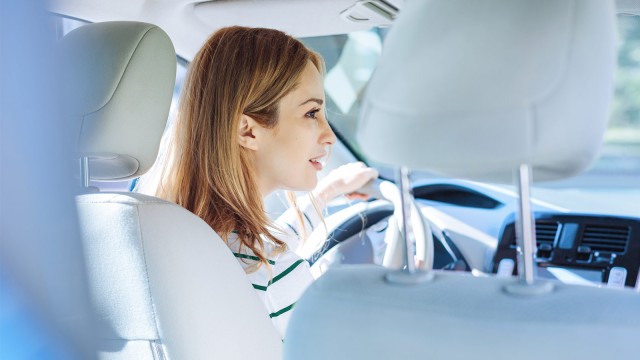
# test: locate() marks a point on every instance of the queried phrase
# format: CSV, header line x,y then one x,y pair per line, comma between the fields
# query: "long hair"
x,y
238,71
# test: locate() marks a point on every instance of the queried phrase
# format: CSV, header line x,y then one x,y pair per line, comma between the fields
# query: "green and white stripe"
x,y
281,286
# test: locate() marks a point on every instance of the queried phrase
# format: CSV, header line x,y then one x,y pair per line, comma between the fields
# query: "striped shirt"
x,y
281,286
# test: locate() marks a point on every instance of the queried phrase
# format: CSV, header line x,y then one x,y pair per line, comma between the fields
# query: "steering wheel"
x,y
359,217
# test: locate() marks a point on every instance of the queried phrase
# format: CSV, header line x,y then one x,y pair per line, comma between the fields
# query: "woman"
x,y
251,121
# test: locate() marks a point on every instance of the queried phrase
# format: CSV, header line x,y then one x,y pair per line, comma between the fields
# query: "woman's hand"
x,y
344,180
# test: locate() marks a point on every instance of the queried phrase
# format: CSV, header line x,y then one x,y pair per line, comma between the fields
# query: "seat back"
x,y
163,282
457,316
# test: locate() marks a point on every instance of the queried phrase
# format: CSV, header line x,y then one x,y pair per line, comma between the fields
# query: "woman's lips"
x,y
318,161
316,164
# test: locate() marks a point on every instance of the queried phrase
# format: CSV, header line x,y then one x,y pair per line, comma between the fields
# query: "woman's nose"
x,y
327,136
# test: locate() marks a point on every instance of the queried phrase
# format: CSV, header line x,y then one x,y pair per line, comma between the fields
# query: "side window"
x,y
350,61
621,152
64,26
618,166
619,163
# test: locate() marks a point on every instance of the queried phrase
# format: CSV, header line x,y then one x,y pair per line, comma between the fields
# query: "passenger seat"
x,y
164,284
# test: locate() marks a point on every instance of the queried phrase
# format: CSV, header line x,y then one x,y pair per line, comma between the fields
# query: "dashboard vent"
x,y
606,238
545,233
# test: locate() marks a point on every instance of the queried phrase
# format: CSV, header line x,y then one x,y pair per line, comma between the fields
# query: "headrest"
x,y
475,88
121,83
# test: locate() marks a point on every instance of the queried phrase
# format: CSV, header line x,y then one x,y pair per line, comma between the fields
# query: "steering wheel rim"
x,y
357,219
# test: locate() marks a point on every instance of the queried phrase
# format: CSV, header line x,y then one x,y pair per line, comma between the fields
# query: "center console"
x,y
576,248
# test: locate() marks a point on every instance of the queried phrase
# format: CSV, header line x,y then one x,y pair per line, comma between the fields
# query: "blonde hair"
x,y
238,71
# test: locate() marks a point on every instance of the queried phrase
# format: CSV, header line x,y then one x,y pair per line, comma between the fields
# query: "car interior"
x,y
505,222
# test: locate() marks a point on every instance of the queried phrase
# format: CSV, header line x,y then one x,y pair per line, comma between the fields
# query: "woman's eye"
x,y
313,114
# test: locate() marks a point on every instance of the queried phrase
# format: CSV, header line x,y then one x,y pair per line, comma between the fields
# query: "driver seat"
x,y
163,283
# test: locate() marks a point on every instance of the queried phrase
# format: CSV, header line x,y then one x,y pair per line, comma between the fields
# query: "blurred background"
x,y
44,311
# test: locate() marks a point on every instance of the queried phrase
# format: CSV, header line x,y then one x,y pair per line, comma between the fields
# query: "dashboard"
x,y
574,243
473,226
578,248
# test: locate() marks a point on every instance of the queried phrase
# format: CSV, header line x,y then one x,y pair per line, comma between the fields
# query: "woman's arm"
x,y
343,180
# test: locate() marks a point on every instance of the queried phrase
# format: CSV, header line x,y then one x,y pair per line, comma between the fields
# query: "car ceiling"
x,y
190,22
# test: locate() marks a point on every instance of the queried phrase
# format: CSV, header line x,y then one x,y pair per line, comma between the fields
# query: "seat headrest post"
x,y
407,229
525,234
84,171
526,240
408,275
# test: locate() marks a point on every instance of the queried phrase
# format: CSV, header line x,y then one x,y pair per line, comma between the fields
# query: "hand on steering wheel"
x,y
339,227
344,180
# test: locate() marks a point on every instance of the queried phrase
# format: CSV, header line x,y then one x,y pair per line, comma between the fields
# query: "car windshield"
x,y
351,60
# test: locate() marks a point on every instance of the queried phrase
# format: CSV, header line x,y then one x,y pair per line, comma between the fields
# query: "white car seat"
x,y
482,87
164,284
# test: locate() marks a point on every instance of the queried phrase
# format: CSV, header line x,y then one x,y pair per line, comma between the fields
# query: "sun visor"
x,y
473,89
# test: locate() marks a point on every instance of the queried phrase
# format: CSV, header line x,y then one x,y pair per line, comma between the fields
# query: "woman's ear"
x,y
246,132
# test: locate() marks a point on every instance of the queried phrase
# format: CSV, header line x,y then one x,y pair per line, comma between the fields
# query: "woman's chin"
x,y
306,186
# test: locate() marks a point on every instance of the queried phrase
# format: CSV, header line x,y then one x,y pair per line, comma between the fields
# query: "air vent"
x,y
545,233
606,238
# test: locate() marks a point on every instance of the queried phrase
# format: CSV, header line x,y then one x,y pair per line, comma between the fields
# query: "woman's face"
x,y
288,156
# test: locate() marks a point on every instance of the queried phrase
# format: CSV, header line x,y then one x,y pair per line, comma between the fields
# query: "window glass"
x,y
621,152
619,163
350,61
